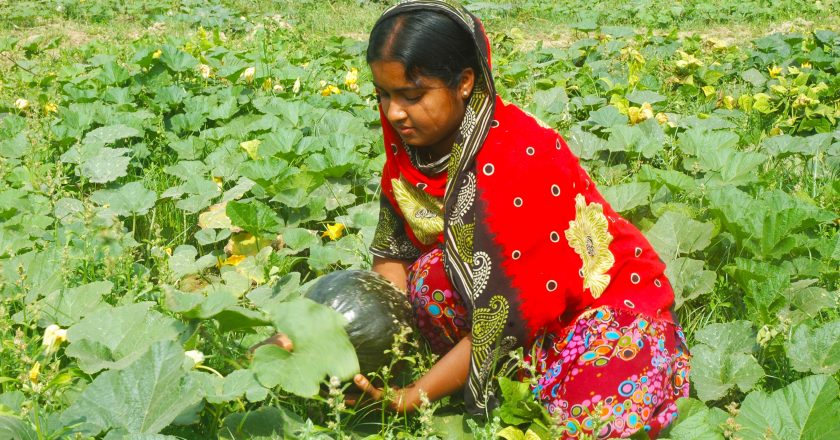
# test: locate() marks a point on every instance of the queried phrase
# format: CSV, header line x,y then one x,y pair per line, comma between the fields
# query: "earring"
x,y
466,94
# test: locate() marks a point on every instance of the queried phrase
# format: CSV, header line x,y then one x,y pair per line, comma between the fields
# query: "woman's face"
x,y
425,113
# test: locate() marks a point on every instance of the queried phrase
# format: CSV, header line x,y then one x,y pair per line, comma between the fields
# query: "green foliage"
x,y
165,190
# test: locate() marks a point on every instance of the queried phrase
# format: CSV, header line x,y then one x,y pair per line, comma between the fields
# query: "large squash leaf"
x,y
806,409
114,338
321,348
722,360
815,350
145,397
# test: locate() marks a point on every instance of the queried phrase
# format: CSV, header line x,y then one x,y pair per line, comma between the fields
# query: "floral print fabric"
x,y
612,373
439,311
608,374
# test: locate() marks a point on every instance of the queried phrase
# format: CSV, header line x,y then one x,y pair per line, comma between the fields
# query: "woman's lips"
x,y
405,131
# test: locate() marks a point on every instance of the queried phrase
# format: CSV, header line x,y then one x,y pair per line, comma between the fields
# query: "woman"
x,y
501,240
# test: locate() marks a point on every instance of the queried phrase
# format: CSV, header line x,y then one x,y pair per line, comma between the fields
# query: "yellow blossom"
x,y
35,372
248,74
351,79
53,337
266,85
296,87
775,71
640,114
21,104
234,260
157,54
330,90
334,231
278,88
204,70
218,181
50,107
806,65
661,118
168,251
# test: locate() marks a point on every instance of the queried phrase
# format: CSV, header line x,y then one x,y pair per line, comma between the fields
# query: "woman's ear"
x,y
466,83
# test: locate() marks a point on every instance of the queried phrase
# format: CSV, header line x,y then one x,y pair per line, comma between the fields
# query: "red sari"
x,y
533,257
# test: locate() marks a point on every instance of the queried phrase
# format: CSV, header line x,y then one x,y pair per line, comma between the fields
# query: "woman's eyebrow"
x,y
401,89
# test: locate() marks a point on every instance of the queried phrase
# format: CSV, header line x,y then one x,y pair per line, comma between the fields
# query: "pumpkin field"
x,y
176,174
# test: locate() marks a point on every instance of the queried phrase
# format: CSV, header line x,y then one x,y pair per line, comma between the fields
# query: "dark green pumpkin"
x,y
375,311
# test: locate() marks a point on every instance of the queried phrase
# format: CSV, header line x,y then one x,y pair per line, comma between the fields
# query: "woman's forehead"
x,y
391,75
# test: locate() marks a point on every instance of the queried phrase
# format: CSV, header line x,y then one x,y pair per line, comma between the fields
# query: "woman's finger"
x,y
367,388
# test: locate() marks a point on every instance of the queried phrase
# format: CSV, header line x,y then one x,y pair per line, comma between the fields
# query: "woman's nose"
x,y
396,113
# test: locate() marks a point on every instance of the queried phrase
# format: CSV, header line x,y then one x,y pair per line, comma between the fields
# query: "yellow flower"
x,y
330,89
296,87
661,118
589,236
351,79
248,74
266,85
775,71
640,114
21,104
334,231
157,54
50,107
234,260
35,372
53,337
806,65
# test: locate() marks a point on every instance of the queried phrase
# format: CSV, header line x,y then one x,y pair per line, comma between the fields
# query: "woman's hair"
x,y
426,43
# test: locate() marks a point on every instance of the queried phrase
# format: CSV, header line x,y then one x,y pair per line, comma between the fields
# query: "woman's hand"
x,y
447,375
402,400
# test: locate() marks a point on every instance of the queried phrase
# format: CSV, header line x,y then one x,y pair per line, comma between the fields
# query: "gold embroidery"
x,y
423,213
590,237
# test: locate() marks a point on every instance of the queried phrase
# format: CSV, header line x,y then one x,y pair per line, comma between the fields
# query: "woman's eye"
x,y
413,98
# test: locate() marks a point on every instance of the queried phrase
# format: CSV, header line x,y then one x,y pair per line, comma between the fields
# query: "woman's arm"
x,y
447,375
395,271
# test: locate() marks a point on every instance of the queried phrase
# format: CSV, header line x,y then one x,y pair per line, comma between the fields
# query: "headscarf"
x,y
528,241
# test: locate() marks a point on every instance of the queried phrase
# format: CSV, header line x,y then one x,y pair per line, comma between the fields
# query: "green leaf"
x,y
255,217
176,59
714,372
695,422
607,117
265,422
689,279
451,426
675,234
106,165
110,134
729,337
115,338
754,77
322,348
811,299
815,350
183,261
585,144
627,196
145,397
645,96
130,199
67,307
696,141
805,409
13,428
